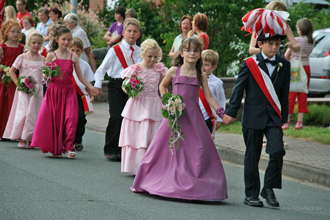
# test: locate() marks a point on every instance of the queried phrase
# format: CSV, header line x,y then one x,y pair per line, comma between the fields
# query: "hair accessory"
x,y
220,112
267,21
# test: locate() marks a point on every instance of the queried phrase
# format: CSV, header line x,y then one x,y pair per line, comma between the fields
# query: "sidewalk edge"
x,y
290,169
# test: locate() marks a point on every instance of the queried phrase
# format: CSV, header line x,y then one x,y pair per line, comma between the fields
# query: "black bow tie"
x,y
273,62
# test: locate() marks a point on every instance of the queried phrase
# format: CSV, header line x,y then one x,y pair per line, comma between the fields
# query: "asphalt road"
x,y
36,186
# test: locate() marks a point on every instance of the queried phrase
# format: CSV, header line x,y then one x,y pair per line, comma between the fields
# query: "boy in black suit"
x,y
265,80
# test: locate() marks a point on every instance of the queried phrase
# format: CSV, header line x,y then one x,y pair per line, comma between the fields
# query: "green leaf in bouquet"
x,y
166,97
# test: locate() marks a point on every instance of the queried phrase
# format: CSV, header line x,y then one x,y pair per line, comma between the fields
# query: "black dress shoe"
x,y
269,195
253,201
111,157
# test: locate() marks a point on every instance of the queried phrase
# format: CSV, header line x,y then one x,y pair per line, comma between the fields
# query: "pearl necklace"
x,y
35,59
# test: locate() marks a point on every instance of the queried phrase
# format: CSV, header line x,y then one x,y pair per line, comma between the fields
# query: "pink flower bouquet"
x,y
51,70
25,84
133,86
4,74
173,109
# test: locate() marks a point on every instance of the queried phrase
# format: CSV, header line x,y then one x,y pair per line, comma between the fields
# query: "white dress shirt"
x,y
216,88
111,64
81,34
269,66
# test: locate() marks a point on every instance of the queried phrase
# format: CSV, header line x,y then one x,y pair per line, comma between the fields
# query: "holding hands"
x,y
228,119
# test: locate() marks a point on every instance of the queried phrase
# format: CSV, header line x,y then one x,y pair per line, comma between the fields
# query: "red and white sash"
x,y
81,90
264,83
122,57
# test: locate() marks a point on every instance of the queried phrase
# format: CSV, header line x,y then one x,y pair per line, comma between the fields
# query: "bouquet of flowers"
x,y
133,86
173,109
25,84
4,74
51,70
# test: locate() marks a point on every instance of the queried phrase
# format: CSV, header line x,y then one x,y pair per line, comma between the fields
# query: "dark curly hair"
x,y
186,44
57,31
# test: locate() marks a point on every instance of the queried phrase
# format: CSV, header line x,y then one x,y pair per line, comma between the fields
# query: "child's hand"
x,y
228,120
44,75
92,99
94,91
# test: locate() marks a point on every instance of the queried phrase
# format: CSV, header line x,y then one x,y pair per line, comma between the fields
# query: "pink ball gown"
x,y
58,117
194,171
141,116
26,106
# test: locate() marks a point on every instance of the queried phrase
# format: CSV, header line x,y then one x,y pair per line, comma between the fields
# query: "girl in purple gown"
x,y
194,171
56,125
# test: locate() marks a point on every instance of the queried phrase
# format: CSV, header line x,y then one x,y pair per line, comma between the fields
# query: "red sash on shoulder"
x,y
120,56
206,105
254,68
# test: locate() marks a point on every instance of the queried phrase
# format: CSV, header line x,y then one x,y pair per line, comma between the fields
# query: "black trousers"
x,y
117,101
273,175
209,124
81,121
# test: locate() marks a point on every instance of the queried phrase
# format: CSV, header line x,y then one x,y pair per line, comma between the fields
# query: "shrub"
x,y
319,115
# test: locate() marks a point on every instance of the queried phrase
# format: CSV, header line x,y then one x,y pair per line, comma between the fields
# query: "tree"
x,y
160,21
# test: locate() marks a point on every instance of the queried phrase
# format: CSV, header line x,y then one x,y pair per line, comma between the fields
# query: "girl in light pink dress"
x,y
142,114
26,106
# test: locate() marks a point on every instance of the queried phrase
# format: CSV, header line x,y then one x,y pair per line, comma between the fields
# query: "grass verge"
x,y
310,133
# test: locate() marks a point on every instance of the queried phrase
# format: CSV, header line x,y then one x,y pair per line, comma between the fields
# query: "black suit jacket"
x,y
257,108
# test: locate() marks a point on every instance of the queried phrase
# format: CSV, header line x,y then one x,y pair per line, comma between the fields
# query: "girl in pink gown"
x,y
58,117
194,171
9,51
26,106
142,114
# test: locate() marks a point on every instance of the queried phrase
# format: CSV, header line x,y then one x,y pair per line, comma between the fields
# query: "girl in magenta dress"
x,y
194,171
58,117
9,50
26,106
142,114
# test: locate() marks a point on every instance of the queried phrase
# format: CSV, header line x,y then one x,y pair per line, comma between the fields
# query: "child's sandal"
x,y
70,154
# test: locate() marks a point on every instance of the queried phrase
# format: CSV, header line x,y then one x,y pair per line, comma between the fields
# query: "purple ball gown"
x,y
194,171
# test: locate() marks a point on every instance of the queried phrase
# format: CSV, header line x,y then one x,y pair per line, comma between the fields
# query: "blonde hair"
x,y
6,27
210,56
78,43
30,36
50,27
276,5
131,21
153,45
10,12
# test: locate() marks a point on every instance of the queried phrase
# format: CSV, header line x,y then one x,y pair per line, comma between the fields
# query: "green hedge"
x,y
319,115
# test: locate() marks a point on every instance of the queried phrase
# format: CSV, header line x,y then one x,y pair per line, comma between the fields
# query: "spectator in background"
x,y
21,11
112,37
71,20
131,13
10,13
55,15
200,25
43,16
27,22
305,31
184,27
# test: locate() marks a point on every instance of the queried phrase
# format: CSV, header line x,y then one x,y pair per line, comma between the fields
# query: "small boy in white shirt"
x,y
84,101
210,59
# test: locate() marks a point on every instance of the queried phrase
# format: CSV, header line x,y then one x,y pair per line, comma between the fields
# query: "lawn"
x,y
311,133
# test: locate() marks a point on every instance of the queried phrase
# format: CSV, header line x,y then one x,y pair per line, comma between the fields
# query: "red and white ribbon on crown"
x,y
269,21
